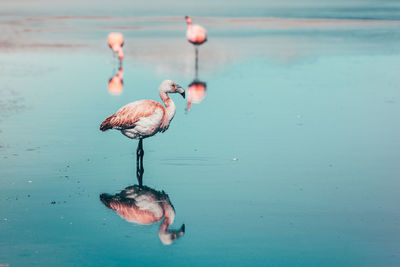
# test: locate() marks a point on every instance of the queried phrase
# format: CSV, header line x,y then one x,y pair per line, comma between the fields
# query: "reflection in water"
x,y
116,42
116,84
196,93
144,205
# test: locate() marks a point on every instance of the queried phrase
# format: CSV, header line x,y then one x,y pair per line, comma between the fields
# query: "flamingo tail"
x,y
106,124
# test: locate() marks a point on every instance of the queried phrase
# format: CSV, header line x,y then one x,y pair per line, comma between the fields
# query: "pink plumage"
x,y
144,205
116,85
144,118
195,93
115,42
195,34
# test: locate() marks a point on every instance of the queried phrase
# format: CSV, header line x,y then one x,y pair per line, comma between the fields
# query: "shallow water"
x,y
291,158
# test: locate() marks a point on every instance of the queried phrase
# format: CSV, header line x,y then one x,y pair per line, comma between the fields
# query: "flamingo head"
x,y
118,49
169,86
188,19
169,236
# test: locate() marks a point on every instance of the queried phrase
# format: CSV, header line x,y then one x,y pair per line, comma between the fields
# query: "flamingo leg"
x,y
139,163
141,157
120,63
196,64
114,61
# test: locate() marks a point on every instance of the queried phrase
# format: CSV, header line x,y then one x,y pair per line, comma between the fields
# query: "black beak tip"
x,y
106,199
183,94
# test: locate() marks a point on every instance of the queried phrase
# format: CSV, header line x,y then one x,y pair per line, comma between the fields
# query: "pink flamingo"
x,y
195,93
145,118
144,205
116,84
115,42
196,35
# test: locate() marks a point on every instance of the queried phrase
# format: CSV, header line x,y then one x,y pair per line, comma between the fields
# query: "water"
x,y
291,158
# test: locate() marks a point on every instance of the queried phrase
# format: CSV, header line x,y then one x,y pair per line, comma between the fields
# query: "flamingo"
x,y
116,84
144,118
196,93
196,35
115,42
144,205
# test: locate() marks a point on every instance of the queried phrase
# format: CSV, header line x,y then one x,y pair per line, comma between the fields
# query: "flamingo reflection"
x,y
144,205
196,93
116,84
115,42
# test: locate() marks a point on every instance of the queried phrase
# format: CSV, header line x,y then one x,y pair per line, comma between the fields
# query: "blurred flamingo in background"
x,y
115,42
196,35
116,84
144,118
144,205
195,93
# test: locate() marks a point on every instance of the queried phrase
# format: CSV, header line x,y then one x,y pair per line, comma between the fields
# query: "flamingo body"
x,y
195,34
136,205
196,93
116,85
144,118
139,119
144,205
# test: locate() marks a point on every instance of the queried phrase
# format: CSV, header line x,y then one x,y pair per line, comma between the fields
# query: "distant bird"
x,y
116,84
115,42
144,205
195,93
195,34
145,118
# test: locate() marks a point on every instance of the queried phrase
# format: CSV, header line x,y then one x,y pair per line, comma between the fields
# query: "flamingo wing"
x,y
115,38
127,116
197,34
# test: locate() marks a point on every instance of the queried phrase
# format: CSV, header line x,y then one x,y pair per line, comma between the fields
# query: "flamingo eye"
x,y
174,86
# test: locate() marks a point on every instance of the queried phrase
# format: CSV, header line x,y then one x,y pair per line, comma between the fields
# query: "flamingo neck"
x,y
167,236
164,226
120,54
169,110
120,73
116,48
169,217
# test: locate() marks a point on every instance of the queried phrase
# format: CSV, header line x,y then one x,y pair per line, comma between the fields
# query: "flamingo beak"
x,y
106,199
182,230
180,90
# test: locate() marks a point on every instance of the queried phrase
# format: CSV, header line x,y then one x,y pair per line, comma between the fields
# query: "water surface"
x,y
290,159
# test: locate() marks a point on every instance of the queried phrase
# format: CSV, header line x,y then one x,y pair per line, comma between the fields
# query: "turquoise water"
x,y
291,159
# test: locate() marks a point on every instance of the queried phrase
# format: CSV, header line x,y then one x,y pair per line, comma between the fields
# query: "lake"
x,y
287,155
